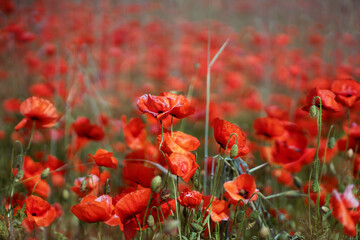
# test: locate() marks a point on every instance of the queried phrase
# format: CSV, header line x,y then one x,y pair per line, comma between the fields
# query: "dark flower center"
x,y
244,193
34,214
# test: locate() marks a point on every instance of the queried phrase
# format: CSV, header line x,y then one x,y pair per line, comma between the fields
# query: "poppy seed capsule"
x,y
45,173
234,151
165,194
170,227
196,227
325,209
332,142
155,183
150,221
314,111
350,153
264,232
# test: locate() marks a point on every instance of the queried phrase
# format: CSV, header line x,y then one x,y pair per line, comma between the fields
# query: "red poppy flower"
x,y
94,209
137,173
283,176
222,131
12,105
182,165
242,188
270,128
182,108
39,211
134,133
104,158
219,209
189,198
327,99
39,110
179,142
158,106
132,203
343,205
347,90
85,129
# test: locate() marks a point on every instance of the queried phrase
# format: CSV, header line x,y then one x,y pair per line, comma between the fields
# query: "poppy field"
x,y
183,120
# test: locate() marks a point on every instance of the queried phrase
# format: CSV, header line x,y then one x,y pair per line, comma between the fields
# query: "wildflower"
x,y
242,188
104,158
94,209
38,110
39,211
189,198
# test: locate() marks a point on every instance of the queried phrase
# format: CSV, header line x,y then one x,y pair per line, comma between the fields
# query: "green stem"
x,y
137,220
31,138
147,208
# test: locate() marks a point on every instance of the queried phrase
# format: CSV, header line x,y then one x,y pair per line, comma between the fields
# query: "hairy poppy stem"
x,y
147,208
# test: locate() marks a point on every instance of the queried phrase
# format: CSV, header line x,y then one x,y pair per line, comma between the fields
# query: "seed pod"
x,y
150,221
350,153
45,173
314,111
234,151
297,182
165,194
331,143
19,175
292,194
155,183
196,227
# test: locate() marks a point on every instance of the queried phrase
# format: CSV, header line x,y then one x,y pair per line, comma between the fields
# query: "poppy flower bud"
x,y
83,186
234,151
325,209
254,214
292,194
314,111
45,173
297,182
165,194
331,143
170,227
196,227
240,216
107,188
264,232
65,194
155,183
150,221
315,186
350,153
19,175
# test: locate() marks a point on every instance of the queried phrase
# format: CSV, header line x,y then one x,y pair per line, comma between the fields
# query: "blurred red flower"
x,y
347,90
85,129
222,131
104,158
38,110
94,209
270,128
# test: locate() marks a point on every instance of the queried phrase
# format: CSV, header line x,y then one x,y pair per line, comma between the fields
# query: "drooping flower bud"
x,y
170,227
297,182
107,187
314,111
234,151
331,143
150,221
264,232
19,175
196,227
65,194
165,194
45,173
155,183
